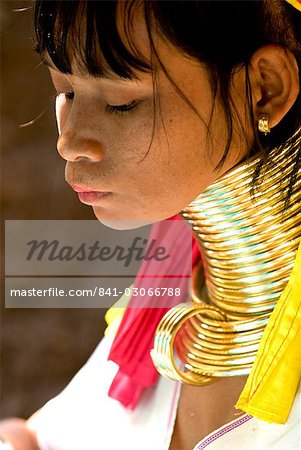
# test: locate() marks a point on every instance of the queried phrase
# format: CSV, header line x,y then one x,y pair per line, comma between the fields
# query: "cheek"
x,y
171,165
185,147
195,151
130,140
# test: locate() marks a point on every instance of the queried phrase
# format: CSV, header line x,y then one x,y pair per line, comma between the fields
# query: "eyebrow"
x,y
106,75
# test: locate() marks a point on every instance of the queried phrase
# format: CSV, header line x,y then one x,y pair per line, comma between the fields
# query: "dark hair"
x,y
221,34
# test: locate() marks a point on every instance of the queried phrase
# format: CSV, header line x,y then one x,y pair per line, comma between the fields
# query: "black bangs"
x,y
86,31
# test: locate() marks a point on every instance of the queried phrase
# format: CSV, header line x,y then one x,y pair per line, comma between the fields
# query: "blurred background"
x,y
41,349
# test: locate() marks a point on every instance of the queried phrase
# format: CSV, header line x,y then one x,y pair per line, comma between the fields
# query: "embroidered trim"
x,y
222,432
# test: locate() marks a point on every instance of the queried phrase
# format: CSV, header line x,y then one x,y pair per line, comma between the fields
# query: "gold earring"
x,y
263,124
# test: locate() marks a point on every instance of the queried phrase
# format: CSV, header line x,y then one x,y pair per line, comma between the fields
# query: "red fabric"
x,y
134,339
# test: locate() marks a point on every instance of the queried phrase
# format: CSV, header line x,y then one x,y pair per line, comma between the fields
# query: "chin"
x,y
120,223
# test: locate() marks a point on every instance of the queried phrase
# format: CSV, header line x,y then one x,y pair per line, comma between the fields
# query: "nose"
x,y
79,133
75,146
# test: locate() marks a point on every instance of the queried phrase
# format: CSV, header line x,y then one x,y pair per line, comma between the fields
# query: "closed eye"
x,y
121,109
111,109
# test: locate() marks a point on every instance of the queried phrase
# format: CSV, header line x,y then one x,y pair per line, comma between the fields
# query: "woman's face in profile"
x,y
153,162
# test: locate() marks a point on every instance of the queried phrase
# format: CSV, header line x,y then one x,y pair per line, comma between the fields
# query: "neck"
x,y
248,241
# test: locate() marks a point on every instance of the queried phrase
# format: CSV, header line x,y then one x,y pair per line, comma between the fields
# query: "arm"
x,y
65,421
71,420
19,434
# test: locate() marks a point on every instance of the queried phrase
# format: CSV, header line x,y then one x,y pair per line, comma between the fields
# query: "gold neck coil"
x,y
248,246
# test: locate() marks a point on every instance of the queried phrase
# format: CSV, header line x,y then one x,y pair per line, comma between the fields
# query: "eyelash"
x,y
121,109
111,109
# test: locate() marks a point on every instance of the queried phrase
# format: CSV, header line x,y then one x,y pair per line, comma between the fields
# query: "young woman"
x,y
191,108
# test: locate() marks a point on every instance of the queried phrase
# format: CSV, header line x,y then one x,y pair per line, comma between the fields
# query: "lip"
x,y
89,196
92,197
78,188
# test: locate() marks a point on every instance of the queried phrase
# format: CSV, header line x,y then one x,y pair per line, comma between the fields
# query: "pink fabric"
x,y
134,339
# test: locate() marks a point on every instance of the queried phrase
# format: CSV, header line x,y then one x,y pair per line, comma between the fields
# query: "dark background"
x,y
41,349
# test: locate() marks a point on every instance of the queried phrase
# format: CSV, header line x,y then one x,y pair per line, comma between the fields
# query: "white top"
x,y
83,417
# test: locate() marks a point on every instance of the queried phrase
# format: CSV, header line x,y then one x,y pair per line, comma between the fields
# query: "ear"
x,y
274,77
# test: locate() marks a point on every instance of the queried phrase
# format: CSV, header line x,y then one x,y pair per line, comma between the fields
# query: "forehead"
x,y
102,38
144,37
140,37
